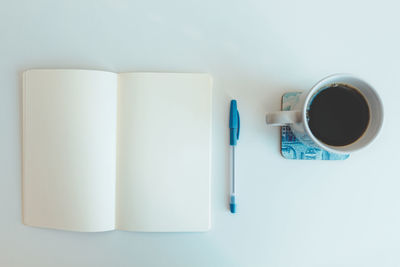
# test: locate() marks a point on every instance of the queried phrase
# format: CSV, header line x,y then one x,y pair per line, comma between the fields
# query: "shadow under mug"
x,y
297,119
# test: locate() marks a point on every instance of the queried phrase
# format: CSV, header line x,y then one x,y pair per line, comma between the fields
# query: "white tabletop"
x,y
290,213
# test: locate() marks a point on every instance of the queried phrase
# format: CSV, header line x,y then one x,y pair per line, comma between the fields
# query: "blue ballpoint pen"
x,y
234,127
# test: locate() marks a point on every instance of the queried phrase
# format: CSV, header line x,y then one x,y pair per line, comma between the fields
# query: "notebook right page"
x,y
163,152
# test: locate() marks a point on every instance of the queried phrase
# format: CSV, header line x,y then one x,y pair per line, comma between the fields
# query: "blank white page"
x,y
69,149
163,155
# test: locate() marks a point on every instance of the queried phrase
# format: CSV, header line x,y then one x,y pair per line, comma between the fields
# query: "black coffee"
x,y
338,115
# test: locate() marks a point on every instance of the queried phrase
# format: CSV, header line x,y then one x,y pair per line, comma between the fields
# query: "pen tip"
x,y
232,207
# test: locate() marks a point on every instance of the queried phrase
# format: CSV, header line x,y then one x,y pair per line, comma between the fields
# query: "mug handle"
x,y
281,118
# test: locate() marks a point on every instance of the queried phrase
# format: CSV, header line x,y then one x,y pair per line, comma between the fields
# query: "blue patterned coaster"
x,y
291,148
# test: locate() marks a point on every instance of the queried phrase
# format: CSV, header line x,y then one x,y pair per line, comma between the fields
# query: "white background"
x,y
291,213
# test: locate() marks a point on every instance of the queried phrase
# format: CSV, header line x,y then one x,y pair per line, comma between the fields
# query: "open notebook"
x,y
105,151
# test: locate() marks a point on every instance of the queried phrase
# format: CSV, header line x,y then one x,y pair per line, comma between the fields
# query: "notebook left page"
x,y
69,149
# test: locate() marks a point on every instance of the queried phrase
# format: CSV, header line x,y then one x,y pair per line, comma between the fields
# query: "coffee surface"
x,y
338,115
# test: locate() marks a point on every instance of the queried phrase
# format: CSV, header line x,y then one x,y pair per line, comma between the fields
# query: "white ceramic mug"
x,y
298,121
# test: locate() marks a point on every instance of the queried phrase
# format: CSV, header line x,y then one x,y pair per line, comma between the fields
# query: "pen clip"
x,y
238,130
